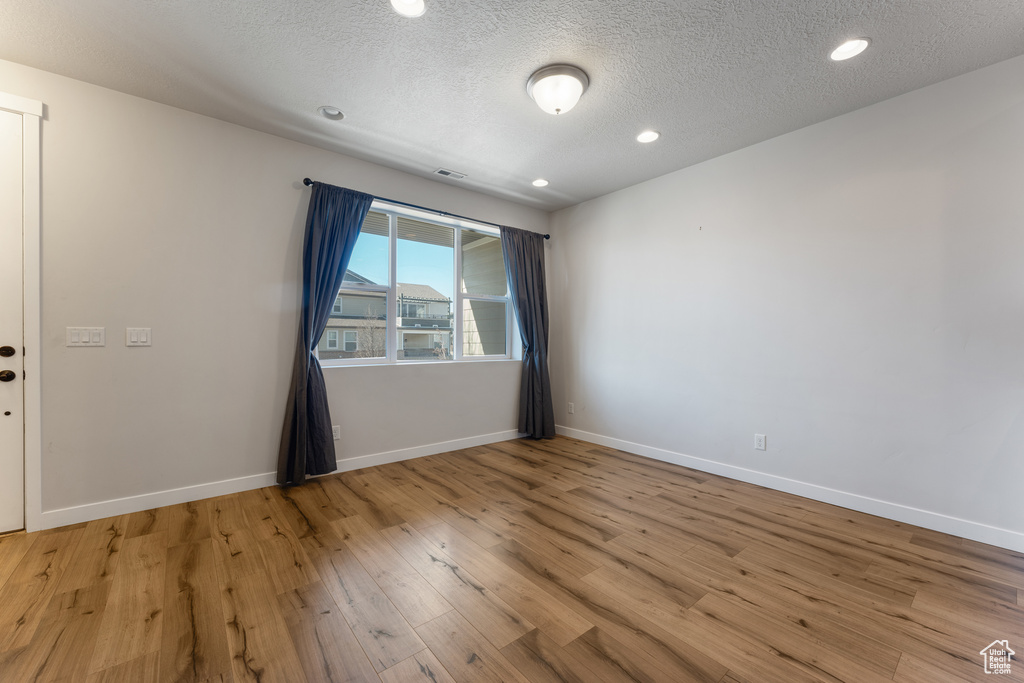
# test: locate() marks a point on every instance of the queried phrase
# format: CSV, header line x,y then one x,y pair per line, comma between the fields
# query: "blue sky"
x,y
422,264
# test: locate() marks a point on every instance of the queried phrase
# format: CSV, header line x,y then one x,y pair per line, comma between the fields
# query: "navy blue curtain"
x,y
524,262
332,226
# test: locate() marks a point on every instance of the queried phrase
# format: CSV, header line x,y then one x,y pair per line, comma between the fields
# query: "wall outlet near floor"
x,y
336,430
572,408
759,442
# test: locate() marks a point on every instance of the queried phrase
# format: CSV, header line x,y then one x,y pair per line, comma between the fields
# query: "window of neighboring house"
x,y
332,339
422,288
413,310
337,306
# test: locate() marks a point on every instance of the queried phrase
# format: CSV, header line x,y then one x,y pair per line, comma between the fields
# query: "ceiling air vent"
x,y
454,175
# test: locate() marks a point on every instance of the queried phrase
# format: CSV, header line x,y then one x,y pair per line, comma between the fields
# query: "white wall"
x,y
854,290
156,217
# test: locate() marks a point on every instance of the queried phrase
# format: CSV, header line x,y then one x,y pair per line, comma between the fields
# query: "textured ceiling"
x,y
448,89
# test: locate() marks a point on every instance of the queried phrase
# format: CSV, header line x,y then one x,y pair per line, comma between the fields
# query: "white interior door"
x,y
12,320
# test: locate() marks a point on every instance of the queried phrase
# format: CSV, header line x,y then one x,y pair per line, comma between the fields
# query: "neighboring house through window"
x,y
420,288
413,310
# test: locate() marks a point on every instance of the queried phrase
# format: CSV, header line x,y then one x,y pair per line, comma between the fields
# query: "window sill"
x,y
371,364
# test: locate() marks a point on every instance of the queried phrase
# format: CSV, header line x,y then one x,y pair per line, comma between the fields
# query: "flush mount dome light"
x,y
648,136
557,88
540,182
332,113
850,48
409,8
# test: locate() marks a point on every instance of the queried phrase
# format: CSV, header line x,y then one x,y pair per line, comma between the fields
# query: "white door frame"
x,y
31,116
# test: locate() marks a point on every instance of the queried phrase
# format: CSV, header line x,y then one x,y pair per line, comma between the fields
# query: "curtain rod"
x,y
307,182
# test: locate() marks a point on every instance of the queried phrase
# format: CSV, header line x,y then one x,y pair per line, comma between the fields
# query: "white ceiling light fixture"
x,y
409,8
648,136
540,182
329,112
557,88
850,48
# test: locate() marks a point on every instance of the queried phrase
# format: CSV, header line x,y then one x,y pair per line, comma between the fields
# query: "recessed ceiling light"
x,y
332,113
648,136
850,48
540,182
409,8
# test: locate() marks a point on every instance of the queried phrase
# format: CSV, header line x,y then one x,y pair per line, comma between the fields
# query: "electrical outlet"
x,y
572,408
759,442
336,429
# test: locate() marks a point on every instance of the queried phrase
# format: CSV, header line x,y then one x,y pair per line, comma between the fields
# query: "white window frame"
x,y
335,333
391,291
462,297
344,340
337,308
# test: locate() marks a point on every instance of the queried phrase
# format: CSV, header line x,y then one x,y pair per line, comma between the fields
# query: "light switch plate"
x,y
138,336
85,336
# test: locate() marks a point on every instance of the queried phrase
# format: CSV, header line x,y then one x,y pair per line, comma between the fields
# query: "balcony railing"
x,y
443,322
429,316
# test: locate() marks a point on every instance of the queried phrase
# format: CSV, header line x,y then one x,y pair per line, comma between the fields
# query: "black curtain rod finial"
x,y
307,182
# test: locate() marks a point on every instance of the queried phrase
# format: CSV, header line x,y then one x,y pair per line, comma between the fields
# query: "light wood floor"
x,y
519,561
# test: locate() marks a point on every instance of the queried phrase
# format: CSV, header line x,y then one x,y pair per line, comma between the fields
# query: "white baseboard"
x,y
362,461
976,531
146,501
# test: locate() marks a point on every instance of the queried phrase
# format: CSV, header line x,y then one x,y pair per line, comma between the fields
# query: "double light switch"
x,y
138,336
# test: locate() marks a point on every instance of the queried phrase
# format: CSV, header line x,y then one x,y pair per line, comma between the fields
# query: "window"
x,y
485,296
332,339
421,288
413,310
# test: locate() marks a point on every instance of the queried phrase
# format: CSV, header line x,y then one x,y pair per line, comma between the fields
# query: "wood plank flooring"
x,y
520,561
